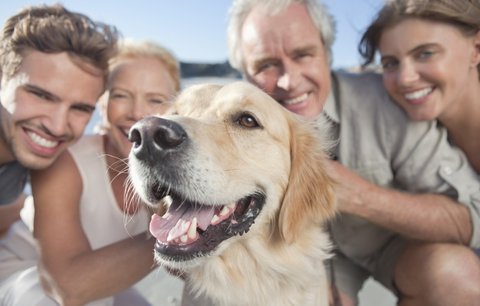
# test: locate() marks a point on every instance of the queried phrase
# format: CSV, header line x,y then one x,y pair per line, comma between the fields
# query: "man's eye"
x,y
40,94
85,109
265,66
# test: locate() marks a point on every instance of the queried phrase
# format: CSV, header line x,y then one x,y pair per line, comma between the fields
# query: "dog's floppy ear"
x,y
309,196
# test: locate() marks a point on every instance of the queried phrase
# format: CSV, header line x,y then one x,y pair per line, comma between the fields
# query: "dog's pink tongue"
x,y
176,222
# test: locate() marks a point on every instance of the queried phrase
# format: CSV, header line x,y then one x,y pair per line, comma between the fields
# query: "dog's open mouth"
x,y
190,229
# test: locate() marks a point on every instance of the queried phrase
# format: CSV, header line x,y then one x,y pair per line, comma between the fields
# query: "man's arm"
x,y
429,217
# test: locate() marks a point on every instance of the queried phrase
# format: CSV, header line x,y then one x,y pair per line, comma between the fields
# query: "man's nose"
x,y
58,122
284,81
289,76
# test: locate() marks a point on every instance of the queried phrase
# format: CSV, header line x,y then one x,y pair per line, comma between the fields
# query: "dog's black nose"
x,y
153,135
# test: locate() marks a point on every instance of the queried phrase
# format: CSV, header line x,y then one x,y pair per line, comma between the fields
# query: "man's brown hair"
x,y
54,29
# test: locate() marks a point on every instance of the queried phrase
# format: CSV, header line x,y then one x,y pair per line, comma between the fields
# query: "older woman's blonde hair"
x,y
131,49
128,49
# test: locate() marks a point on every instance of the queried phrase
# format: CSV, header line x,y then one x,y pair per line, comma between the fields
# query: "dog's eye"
x,y
248,121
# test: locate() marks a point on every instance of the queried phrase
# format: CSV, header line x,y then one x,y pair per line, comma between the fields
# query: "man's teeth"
x,y
42,141
296,100
418,94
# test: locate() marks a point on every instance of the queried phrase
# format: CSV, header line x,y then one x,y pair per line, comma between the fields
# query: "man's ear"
x,y
475,59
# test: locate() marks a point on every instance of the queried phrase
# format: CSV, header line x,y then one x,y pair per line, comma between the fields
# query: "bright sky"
x,y
195,30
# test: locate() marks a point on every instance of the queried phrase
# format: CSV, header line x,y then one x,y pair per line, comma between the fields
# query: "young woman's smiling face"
x,y
428,66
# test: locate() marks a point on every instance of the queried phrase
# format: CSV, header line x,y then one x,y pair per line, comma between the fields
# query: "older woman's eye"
x,y
157,101
117,96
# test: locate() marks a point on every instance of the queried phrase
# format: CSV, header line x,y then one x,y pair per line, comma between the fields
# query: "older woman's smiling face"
x,y
138,87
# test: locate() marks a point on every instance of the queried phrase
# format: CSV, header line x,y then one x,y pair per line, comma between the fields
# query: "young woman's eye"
x,y
425,54
389,65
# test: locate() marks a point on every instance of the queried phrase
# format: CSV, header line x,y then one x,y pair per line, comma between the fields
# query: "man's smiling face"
x,y
285,56
45,107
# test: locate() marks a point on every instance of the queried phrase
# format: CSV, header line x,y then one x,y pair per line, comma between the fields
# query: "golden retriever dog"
x,y
247,195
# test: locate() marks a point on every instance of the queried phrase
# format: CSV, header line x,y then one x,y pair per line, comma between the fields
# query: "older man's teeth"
x,y
42,141
296,100
418,94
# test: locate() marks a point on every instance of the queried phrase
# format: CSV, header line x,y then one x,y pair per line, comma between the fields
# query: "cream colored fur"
x,y
280,261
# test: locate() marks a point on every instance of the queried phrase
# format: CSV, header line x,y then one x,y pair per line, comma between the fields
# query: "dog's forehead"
x,y
199,100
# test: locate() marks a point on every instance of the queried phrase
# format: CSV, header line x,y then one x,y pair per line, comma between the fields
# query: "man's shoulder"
x,y
361,97
363,92
360,83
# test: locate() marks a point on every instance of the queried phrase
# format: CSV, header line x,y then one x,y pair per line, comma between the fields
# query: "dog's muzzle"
x,y
152,137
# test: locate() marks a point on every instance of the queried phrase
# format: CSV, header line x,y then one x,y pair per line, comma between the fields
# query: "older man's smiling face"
x,y
285,56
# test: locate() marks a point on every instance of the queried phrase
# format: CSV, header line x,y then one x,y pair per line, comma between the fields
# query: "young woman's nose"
x,y
406,73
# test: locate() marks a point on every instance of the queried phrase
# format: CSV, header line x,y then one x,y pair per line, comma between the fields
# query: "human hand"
x,y
350,189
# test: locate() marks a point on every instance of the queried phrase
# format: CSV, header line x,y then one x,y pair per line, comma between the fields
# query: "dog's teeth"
x,y
224,211
179,229
184,239
231,206
215,219
192,231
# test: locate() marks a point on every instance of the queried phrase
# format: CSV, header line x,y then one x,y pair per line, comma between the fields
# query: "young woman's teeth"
x,y
296,100
418,94
42,141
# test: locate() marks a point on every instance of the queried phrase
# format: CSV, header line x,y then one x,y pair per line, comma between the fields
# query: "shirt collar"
x,y
330,110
